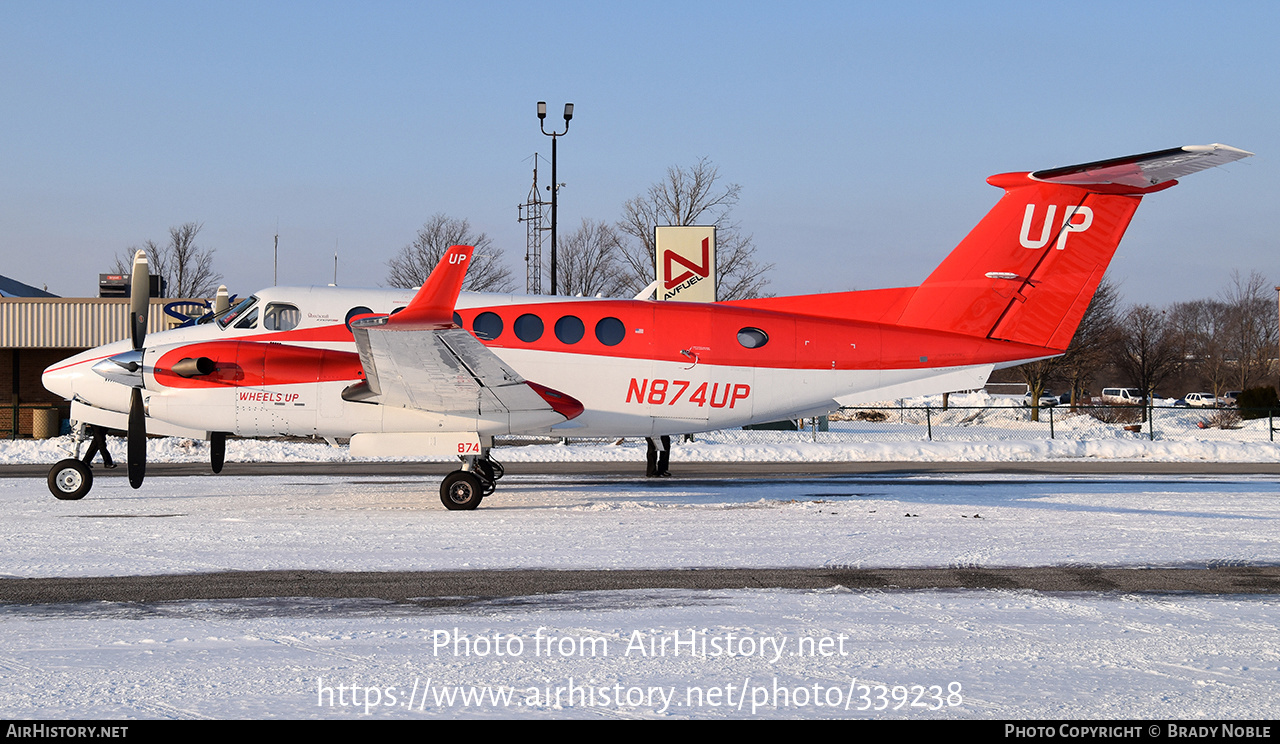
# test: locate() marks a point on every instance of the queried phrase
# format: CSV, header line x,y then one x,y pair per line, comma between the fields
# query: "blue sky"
x,y
861,134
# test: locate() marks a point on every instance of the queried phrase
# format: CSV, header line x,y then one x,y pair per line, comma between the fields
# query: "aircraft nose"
x,y
58,378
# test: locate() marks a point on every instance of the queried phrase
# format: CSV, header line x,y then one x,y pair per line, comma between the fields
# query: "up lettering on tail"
x,y
1069,224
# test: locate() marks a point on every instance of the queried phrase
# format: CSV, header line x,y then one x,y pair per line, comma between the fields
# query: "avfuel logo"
x,y
1074,220
695,271
686,262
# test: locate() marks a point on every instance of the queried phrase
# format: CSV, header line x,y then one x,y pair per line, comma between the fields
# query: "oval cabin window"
x,y
752,338
528,328
610,331
487,326
570,329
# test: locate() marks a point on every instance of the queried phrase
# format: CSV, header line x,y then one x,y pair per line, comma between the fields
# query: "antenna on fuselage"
x,y
275,258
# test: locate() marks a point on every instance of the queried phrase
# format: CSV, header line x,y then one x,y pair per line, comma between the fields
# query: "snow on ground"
x,y
884,443
983,654
358,523
977,427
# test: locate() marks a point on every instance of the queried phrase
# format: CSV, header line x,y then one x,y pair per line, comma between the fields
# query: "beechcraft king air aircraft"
x,y
441,372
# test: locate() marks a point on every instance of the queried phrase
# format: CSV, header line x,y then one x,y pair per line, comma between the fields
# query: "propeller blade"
x,y
137,457
221,301
139,299
217,450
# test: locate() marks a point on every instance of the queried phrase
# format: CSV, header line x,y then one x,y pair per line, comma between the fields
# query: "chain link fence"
x,y
1017,422
1007,422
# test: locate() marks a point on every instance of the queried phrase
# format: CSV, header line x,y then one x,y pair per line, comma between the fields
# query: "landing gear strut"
x,y
462,490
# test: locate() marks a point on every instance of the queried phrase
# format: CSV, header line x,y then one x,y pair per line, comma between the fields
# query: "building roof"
x,y
75,323
14,288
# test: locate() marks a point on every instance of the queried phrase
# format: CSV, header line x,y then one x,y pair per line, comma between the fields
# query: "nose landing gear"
x,y
70,479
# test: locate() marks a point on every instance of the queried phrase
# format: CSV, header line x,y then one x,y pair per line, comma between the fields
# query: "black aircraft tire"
x,y
70,480
461,491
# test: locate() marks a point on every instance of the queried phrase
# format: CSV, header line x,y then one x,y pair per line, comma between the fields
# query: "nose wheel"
x,y
70,480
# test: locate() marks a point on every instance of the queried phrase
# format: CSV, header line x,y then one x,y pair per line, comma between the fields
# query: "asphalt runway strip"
x,y
459,588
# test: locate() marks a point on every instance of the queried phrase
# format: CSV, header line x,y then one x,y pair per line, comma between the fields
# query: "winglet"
x,y
432,307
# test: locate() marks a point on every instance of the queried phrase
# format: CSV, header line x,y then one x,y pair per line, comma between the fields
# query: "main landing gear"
x,y
464,489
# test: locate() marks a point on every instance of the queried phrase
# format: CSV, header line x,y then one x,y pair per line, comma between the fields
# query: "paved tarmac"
x,y
456,588
460,588
1081,466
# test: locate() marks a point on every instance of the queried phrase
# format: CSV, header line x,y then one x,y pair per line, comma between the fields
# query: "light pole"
x,y
555,185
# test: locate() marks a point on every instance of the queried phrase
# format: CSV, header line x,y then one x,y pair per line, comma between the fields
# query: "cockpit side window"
x,y
234,313
250,320
280,316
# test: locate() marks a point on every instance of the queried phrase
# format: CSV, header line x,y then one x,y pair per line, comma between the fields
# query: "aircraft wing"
x,y
446,371
418,358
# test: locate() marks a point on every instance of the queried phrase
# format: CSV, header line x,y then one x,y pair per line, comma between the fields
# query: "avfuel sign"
x,y
686,262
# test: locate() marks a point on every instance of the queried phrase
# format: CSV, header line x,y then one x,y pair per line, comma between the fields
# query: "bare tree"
x,y
1093,342
415,262
1036,375
187,269
1251,328
692,196
1089,348
588,263
1203,328
1149,348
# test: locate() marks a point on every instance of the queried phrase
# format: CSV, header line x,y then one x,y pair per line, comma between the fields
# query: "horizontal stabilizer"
x,y
1145,170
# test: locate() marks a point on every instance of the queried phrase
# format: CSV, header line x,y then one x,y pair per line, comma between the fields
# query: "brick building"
x,y
38,330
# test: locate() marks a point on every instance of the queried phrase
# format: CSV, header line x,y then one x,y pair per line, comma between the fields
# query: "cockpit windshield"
x,y
234,313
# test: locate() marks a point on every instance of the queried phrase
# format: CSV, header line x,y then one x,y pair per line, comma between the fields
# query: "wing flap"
x,y
444,371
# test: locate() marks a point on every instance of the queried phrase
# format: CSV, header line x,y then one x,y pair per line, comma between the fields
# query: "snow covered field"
x,y
915,655
761,652
743,446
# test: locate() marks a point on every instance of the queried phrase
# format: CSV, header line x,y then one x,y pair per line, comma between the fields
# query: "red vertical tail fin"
x,y
1027,272
433,305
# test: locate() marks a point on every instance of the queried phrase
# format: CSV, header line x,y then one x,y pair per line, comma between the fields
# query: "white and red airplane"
x,y
441,372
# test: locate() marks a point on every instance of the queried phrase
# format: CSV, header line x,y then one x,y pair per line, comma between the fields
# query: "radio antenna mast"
x,y
531,213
